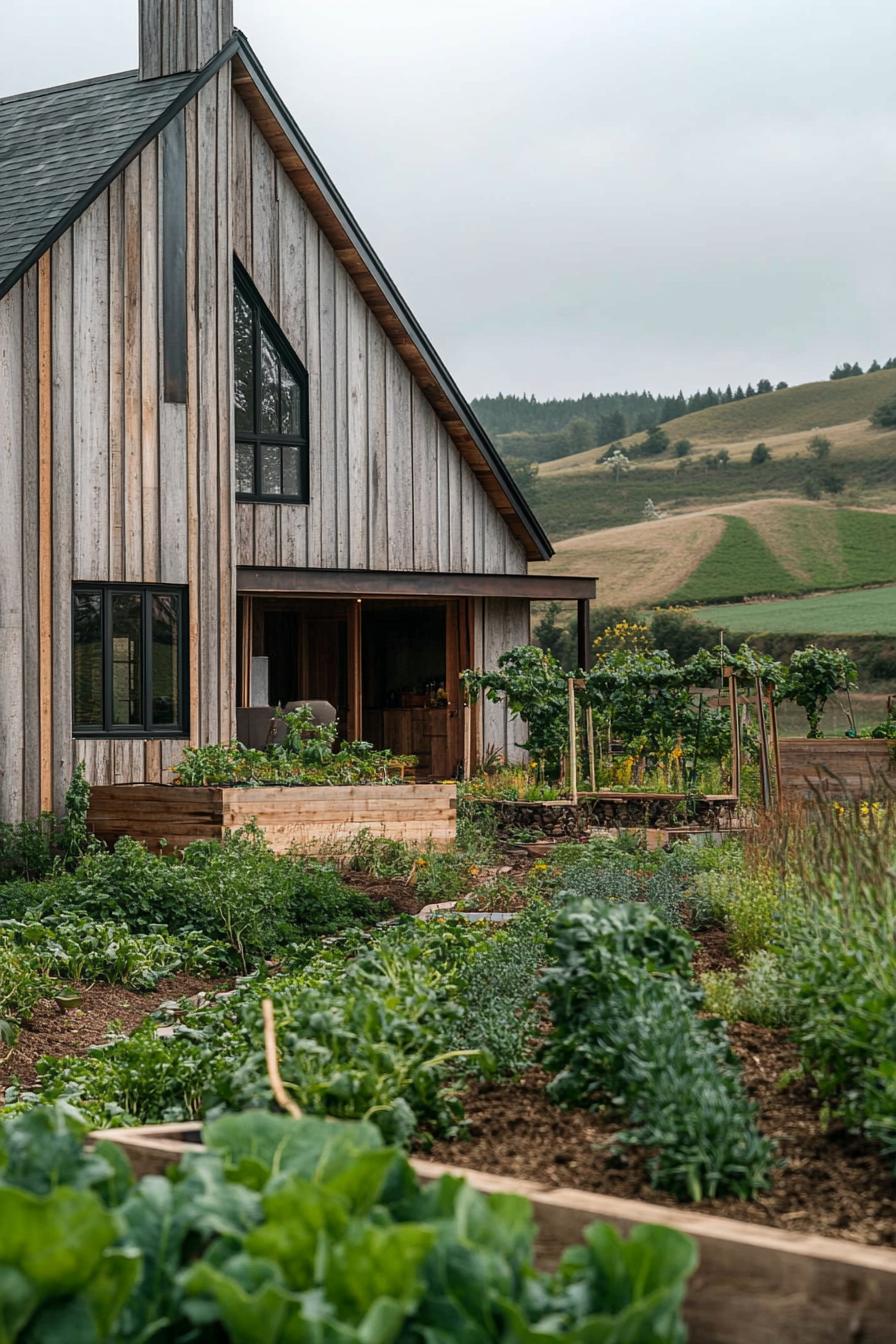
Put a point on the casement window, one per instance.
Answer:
(129, 660)
(270, 404)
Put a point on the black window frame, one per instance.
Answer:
(147, 729)
(264, 321)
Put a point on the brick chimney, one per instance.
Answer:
(181, 35)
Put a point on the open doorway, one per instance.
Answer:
(390, 668)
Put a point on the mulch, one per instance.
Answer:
(829, 1182)
(72, 1032)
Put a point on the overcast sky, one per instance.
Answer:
(584, 195)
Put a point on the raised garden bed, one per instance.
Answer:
(313, 819)
(841, 769)
(754, 1285)
(562, 819)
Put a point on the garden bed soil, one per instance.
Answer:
(73, 1032)
(831, 1182)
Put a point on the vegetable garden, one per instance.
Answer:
(700, 1027)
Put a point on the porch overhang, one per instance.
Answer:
(381, 583)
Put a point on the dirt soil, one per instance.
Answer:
(72, 1032)
(829, 1182)
(402, 896)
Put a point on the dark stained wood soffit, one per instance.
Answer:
(393, 583)
(378, 302)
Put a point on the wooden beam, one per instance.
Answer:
(583, 631)
(45, 527)
(380, 583)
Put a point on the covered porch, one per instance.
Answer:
(386, 650)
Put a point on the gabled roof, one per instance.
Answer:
(61, 147)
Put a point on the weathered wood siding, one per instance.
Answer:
(499, 624)
(110, 482)
(389, 490)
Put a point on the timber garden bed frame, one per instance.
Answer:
(312, 818)
(754, 1284)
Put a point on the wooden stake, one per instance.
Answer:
(765, 782)
(592, 769)
(281, 1096)
(773, 722)
(573, 751)
(468, 737)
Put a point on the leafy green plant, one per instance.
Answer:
(290, 1230)
(814, 674)
(309, 755)
(759, 992)
(436, 874)
(627, 1033)
(23, 983)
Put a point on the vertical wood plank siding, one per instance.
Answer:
(110, 482)
(388, 488)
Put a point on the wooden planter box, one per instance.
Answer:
(312, 819)
(842, 769)
(754, 1284)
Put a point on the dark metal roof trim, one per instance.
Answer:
(112, 172)
(402, 311)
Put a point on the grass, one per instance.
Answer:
(776, 546)
(869, 612)
(741, 563)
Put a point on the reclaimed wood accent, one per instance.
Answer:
(753, 1285)
(313, 819)
(847, 770)
(181, 35)
(112, 483)
(381, 458)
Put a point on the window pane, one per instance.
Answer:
(243, 364)
(270, 469)
(291, 479)
(270, 387)
(290, 404)
(88, 660)
(245, 469)
(127, 641)
(165, 659)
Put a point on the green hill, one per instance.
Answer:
(869, 612)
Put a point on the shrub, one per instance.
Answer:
(759, 993)
(884, 415)
(626, 1032)
(760, 454)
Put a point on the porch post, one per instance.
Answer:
(355, 682)
(583, 630)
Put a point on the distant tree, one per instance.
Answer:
(739, 393)
(884, 415)
(650, 513)
(751, 391)
(873, 367)
(811, 488)
(682, 447)
(845, 370)
(551, 634)
(723, 457)
(617, 464)
(579, 434)
(763, 385)
(524, 473)
(831, 480)
(760, 454)
(779, 387)
(891, 362)
(819, 446)
(655, 442)
(611, 426)
(727, 395)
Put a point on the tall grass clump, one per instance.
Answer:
(838, 947)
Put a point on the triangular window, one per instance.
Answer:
(270, 404)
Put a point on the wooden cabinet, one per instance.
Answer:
(422, 733)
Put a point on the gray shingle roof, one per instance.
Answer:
(55, 144)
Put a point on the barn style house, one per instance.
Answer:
(233, 471)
